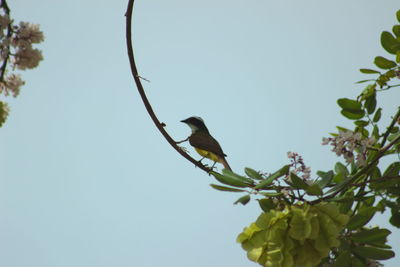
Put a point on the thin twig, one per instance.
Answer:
(139, 86)
(389, 129)
(379, 180)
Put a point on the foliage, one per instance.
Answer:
(302, 234)
(322, 221)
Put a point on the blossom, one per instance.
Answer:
(299, 167)
(27, 34)
(347, 143)
(11, 84)
(27, 58)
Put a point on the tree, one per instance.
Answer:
(321, 221)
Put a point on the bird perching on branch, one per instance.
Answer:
(204, 143)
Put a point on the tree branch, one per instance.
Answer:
(395, 119)
(142, 93)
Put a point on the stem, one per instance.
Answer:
(389, 129)
(3, 67)
(146, 102)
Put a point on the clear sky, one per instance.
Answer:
(85, 178)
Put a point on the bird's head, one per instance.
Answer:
(196, 124)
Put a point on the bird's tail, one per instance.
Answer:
(225, 163)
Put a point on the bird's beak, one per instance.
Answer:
(184, 121)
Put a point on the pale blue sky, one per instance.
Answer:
(87, 181)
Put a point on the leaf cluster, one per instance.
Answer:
(299, 234)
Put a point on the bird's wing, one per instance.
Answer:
(206, 142)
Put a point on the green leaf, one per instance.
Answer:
(361, 123)
(384, 63)
(343, 260)
(375, 132)
(227, 189)
(369, 71)
(398, 15)
(230, 173)
(396, 30)
(394, 130)
(339, 178)
(253, 174)
(297, 182)
(398, 56)
(389, 42)
(353, 115)
(271, 194)
(392, 170)
(326, 178)
(243, 200)
(373, 253)
(341, 168)
(371, 236)
(341, 129)
(228, 180)
(364, 132)
(364, 81)
(266, 204)
(300, 224)
(390, 74)
(369, 200)
(314, 190)
(395, 218)
(281, 172)
(361, 218)
(392, 137)
(370, 103)
(347, 202)
(349, 104)
(377, 115)
(356, 262)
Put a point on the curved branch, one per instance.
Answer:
(3, 67)
(160, 126)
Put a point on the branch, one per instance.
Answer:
(389, 129)
(146, 102)
(3, 67)
(378, 180)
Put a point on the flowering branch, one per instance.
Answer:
(363, 171)
(16, 49)
(160, 126)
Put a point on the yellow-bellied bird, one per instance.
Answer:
(204, 143)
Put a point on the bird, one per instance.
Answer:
(204, 143)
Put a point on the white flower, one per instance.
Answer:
(11, 84)
(347, 143)
(291, 155)
(27, 34)
(306, 173)
(27, 58)
(325, 141)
